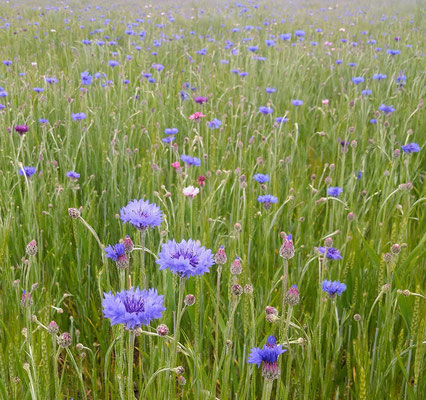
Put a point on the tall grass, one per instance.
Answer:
(118, 151)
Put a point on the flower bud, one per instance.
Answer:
(357, 317)
(248, 289)
(31, 248)
(236, 267)
(162, 330)
(73, 213)
(395, 249)
(189, 300)
(26, 300)
(328, 242)
(64, 340)
(237, 290)
(52, 328)
(128, 244)
(351, 216)
(292, 297)
(287, 248)
(181, 381)
(220, 257)
(180, 370)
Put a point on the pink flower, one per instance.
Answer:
(176, 165)
(196, 116)
(325, 102)
(190, 191)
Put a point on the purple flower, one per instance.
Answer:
(261, 178)
(201, 99)
(214, 124)
(27, 171)
(281, 120)
(43, 120)
(266, 110)
(411, 148)
(115, 252)
(86, 78)
(270, 90)
(366, 92)
(386, 109)
(268, 355)
(373, 121)
(333, 288)
(113, 63)
(38, 90)
(357, 80)
(297, 102)
(393, 52)
(168, 139)
(133, 307)
(171, 131)
(190, 160)
(267, 198)
(379, 77)
(334, 191)
(51, 80)
(141, 214)
(78, 116)
(187, 258)
(73, 175)
(332, 253)
(21, 129)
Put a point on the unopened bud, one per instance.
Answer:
(236, 289)
(189, 300)
(64, 340)
(220, 257)
(162, 330)
(236, 267)
(73, 213)
(31, 248)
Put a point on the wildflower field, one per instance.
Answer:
(212, 200)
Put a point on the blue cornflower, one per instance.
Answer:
(51, 80)
(141, 214)
(334, 191)
(285, 36)
(171, 131)
(401, 80)
(386, 109)
(133, 307)
(333, 288)
(184, 95)
(7, 62)
(116, 253)
(379, 77)
(270, 43)
(270, 90)
(187, 258)
(27, 171)
(281, 120)
(366, 92)
(299, 33)
(358, 175)
(410, 148)
(168, 139)
(38, 89)
(158, 67)
(393, 52)
(113, 63)
(190, 160)
(373, 121)
(265, 110)
(261, 178)
(78, 116)
(253, 48)
(43, 120)
(297, 102)
(73, 175)
(86, 78)
(357, 80)
(351, 64)
(268, 355)
(267, 200)
(214, 124)
(338, 62)
(332, 253)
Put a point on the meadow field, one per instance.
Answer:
(212, 200)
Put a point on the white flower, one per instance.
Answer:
(190, 191)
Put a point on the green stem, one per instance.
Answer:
(58, 395)
(283, 295)
(142, 276)
(130, 389)
(173, 357)
(216, 343)
(267, 389)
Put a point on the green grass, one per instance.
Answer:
(329, 354)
